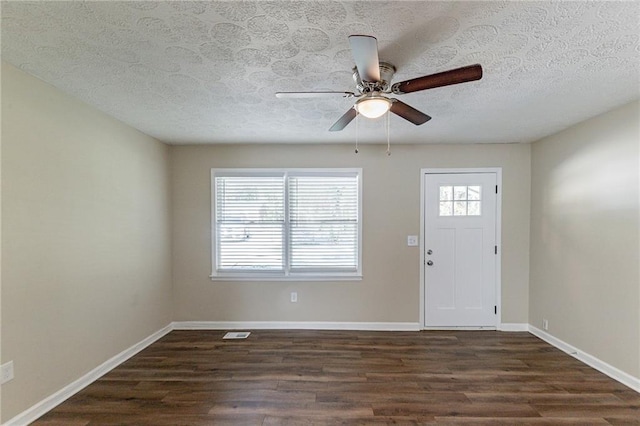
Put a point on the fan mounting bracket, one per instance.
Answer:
(387, 70)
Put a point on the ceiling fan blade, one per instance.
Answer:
(446, 78)
(365, 53)
(314, 94)
(409, 113)
(344, 120)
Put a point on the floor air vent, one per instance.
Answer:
(237, 335)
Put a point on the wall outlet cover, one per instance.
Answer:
(412, 240)
(6, 372)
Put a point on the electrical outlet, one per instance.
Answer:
(294, 297)
(6, 372)
(412, 240)
(545, 324)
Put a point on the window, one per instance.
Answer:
(460, 200)
(286, 224)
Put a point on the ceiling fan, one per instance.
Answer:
(373, 83)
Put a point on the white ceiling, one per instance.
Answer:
(206, 72)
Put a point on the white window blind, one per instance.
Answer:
(298, 224)
(249, 222)
(323, 221)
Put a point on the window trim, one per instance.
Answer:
(286, 274)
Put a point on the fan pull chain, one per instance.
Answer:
(388, 124)
(357, 114)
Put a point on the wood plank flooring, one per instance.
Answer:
(345, 377)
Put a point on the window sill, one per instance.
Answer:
(276, 278)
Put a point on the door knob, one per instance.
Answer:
(429, 262)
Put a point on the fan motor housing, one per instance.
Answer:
(387, 70)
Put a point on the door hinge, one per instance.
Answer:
(495, 249)
(495, 309)
(496, 189)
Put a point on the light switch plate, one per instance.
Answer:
(412, 240)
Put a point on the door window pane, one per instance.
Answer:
(474, 192)
(446, 208)
(459, 192)
(473, 208)
(446, 193)
(460, 208)
(460, 200)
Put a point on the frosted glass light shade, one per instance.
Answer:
(373, 106)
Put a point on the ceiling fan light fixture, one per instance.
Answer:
(373, 106)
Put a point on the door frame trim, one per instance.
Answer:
(423, 174)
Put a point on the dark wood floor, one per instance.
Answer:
(339, 377)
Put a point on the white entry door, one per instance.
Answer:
(460, 249)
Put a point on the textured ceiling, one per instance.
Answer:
(207, 72)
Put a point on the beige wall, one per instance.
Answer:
(390, 289)
(584, 237)
(85, 238)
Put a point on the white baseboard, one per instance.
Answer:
(463, 328)
(37, 410)
(608, 369)
(513, 326)
(295, 325)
